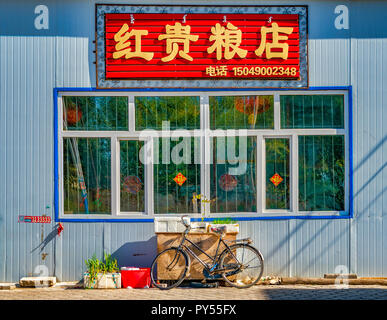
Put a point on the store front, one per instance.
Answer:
(115, 115)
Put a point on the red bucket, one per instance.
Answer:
(135, 277)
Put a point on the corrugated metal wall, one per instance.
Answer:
(33, 62)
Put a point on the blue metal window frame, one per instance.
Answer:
(303, 217)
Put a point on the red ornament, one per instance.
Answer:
(227, 182)
(276, 179)
(180, 179)
(252, 104)
(132, 184)
(73, 114)
(60, 228)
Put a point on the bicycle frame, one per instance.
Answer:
(214, 260)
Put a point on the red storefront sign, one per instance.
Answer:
(157, 46)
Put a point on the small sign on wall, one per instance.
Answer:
(34, 219)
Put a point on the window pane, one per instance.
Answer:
(313, 111)
(242, 112)
(131, 177)
(233, 174)
(181, 112)
(321, 173)
(174, 159)
(277, 174)
(95, 113)
(87, 175)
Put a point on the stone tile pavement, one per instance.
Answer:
(267, 292)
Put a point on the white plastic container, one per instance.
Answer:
(102, 281)
(170, 224)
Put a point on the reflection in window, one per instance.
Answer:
(131, 177)
(321, 173)
(87, 176)
(95, 113)
(181, 112)
(277, 173)
(242, 112)
(233, 174)
(312, 111)
(176, 175)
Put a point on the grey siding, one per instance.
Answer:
(33, 62)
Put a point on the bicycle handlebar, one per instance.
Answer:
(183, 222)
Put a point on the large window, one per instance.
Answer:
(124, 155)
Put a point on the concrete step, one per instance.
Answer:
(37, 282)
(7, 286)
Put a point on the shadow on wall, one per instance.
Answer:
(136, 254)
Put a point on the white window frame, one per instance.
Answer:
(205, 133)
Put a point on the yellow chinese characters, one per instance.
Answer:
(217, 71)
(123, 45)
(175, 35)
(226, 41)
(228, 38)
(275, 30)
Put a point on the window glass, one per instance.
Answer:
(321, 173)
(87, 175)
(233, 174)
(131, 177)
(95, 113)
(277, 174)
(176, 174)
(181, 112)
(312, 111)
(242, 112)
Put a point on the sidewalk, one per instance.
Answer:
(267, 292)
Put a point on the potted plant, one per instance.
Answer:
(102, 274)
(232, 226)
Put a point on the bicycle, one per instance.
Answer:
(239, 264)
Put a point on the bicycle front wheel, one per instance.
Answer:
(169, 268)
(243, 265)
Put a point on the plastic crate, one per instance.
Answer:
(133, 277)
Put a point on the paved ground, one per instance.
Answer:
(269, 292)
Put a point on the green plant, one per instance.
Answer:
(110, 264)
(224, 221)
(95, 266)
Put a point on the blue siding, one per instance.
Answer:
(33, 62)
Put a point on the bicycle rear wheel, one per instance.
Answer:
(243, 267)
(169, 268)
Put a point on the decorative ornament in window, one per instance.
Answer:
(180, 179)
(227, 182)
(276, 179)
(132, 184)
(73, 114)
(252, 106)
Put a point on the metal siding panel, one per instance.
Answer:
(133, 244)
(318, 247)
(129, 243)
(271, 238)
(26, 105)
(329, 62)
(73, 72)
(369, 70)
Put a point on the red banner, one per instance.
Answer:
(156, 46)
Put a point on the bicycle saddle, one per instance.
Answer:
(219, 230)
